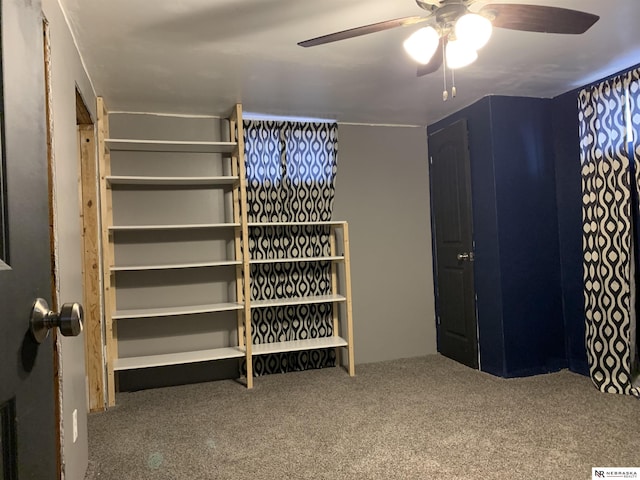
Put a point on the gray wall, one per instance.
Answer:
(382, 190)
(67, 71)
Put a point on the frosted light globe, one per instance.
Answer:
(422, 44)
(473, 29)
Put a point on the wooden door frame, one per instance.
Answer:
(91, 263)
(57, 377)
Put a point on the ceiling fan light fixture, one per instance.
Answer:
(459, 54)
(473, 29)
(422, 44)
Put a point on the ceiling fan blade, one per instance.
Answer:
(538, 18)
(364, 30)
(435, 62)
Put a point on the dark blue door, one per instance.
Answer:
(453, 241)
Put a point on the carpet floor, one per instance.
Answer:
(419, 418)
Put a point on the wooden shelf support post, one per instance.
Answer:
(92, 296)
(236, 133)
(334, 290)
(347, 283)
(106, 207)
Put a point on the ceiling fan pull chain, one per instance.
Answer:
(453, 84)
(445, 93)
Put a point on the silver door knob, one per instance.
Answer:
(462, 256)
(69, 320)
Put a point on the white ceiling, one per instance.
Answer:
(202, 56)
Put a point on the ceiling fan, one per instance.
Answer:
(454, 34)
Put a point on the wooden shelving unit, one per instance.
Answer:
(230, 182)
(120, 274)
(342, 334)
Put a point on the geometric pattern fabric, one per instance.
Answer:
(291, 169)
(609, 122)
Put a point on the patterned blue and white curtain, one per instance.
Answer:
(609, 119)
(291, 169)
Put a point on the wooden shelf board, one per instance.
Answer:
(297, 260)
(178, 181)
(175, 266)
(122, 228)
(130, 145)
(297, 301)
(181, 358)
(298, 345)
(176, 311)
(293, 224)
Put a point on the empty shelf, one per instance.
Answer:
(169, 146)
(117, 228)
(297, 259)
(173, 266)
(297, 345)
(295, 224)
(175, 311)
(130, 363)
(297, 301)
(177, 181)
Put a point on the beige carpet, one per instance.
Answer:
(421, 418)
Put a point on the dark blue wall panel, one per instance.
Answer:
(517, 268)
(524, 165)
(569, 198)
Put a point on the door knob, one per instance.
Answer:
(69, 320)
(465, 256)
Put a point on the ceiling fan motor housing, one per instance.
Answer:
(447, 15)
